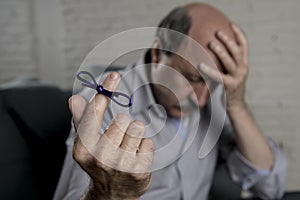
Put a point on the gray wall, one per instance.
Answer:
(49, 40)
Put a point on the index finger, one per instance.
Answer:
(241, 40)
(92, 118)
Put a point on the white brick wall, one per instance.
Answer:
(16, 39)
(272, 27)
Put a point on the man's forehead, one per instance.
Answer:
(206, 21)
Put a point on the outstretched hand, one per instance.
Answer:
(119, 160)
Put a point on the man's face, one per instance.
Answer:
(187, 83)
(181, 87)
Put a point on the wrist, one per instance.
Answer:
(237, 107)
(95, 194)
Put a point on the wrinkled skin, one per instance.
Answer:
(118, 161)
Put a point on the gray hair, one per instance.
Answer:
(177, 20)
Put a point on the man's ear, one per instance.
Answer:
(155, 50)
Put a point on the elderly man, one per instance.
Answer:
(116, 164)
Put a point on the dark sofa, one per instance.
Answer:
(35, 121)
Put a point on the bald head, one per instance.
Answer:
(205, 22)
(199, 21)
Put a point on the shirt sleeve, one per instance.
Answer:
(73, 182)
(266, 184)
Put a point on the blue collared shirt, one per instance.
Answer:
(178, 173)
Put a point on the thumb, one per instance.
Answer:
(77, 106)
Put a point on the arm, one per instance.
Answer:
(73, 180)
(250, 139)
(255, 152)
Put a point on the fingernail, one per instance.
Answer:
(114, 75)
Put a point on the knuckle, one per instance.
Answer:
(123, 117)
(232, 44)
(139, 123)
(225, 37)
(78, 154)
(222, 55)
(120, 123)
(137, 128)
(125, 146)
(149, 144)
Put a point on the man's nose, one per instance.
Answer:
(201, 94)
